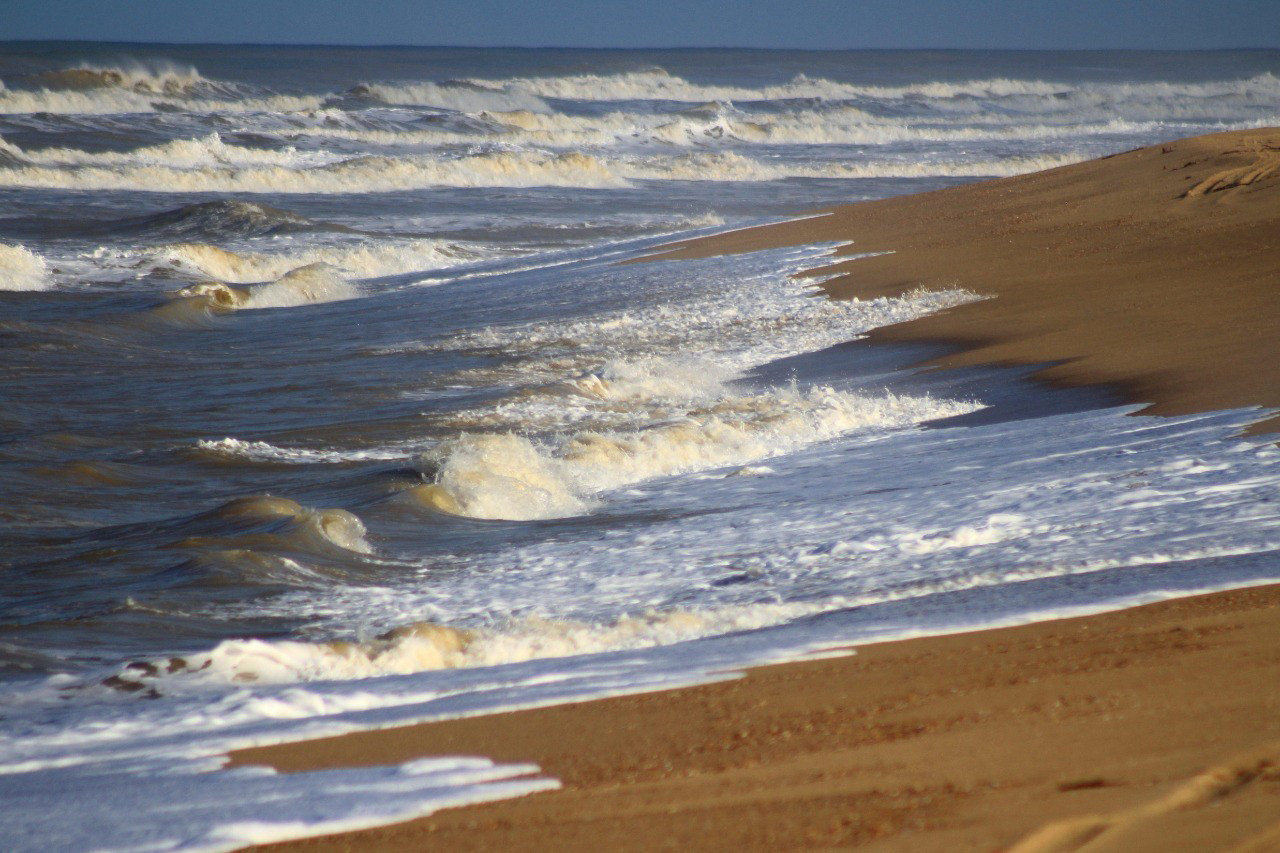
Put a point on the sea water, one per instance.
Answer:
(327, 403)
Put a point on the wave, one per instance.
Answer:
(332, 526)
(206, 151)
(365, 259)
(155, 77)
(501, 168)
(225, 218)
(630, 368)
(659, 85)
(197, 304)
(120, 101)
(428, 646)
(723, 125)
(460, 97)
(514, 478)
(22, 269)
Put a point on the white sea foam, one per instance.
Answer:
(500, 168)
(658, 84)
(509, 477)
(262, 451)
(357, 259)
(302, 286)
(725, 126)
(203, 152)
(22, 269)
(682, 412)
(308, 285)
(113, 101)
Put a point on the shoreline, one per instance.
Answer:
(1154, 272)
(972, 740)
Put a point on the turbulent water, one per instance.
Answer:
(327, 404)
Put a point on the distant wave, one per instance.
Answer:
(136, 87)
(461, 97)
(719, 125)
(207, 150)
(158, 77)
(491, 169)
(225, 218)
(658, 84)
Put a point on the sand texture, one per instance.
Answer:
(1156, 270)
(1156, 728)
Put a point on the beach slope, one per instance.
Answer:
(1154, 728)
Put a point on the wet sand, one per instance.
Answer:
(1156, 728)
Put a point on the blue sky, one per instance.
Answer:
(1060, 24)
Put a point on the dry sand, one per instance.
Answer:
(1157, 728)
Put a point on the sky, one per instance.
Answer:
(813, 24)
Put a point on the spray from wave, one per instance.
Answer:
(22, 269)
(154, 77)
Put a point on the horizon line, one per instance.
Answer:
(406, 46)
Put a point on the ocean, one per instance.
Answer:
(326, 403)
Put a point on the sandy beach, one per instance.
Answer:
(1154, 272)
(1153, 728)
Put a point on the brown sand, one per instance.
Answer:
(1156, 728)
(1156, 270)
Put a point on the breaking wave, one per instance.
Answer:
(204, 151)
(22, 269)
(365, 259)
(139, 87)
(196, 304)
(426, 646)
(657, 84)
(495, 169)
(155, 77)
(514, 478)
